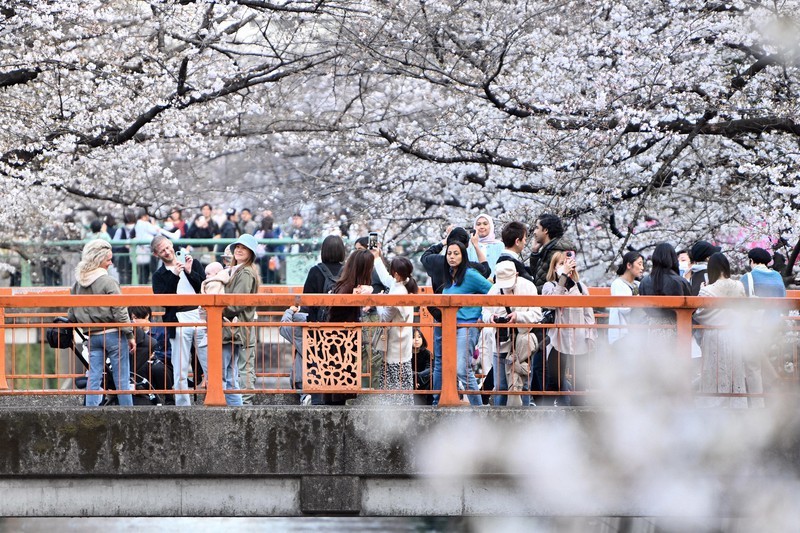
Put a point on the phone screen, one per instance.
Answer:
(373, 241)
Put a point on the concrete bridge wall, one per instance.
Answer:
(296, 461)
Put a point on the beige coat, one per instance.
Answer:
(577, 340)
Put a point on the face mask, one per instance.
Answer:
(683, 266)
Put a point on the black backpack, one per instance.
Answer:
(521, 270)
(324, 313)
(59, 336)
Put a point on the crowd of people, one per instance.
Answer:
(208, 223)
(538, 354)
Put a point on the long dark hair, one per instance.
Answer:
(628, 258)
(403, 267)
(664, 260)
(357, 270)
(718, 266)
(457, 277)
(424, 345)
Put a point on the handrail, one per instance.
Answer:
(279, 289)
(351, 300)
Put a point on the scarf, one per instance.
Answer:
(87, 278)
(490, 238)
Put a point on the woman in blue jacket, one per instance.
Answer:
(461, 279)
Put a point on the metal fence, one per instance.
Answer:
(360, 358)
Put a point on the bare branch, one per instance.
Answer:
(19, 76)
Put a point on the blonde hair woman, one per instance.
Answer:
(244, 280)
(104, 342)
(568, 344)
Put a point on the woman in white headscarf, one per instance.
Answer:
(491, 247)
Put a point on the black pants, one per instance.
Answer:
(551, 376)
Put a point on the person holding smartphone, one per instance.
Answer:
(181, 274)
(548, 238)
(566, 364)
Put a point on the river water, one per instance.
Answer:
(237, 525)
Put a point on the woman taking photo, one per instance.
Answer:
(570, 346)
(397, 372)
(461, 279)
(627, 284)
(104, 341)
(487, 241)
(244, 280)
(486, 245)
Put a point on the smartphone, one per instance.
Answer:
(471, 231)
(180, 256)
(373, 240)
(570, 254)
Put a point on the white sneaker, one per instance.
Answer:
(305, 399)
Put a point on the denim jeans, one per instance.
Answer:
(467, 340)
(230, 372)
(501, 382)
(182, 353)
(437, 362)
(114, 345)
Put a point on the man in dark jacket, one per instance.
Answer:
(436, 266)
(548, 238)
(228, 230)
(699, 254)
(180, 276)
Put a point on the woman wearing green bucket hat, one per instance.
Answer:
(244, 280)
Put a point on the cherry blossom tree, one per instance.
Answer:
(637, 121)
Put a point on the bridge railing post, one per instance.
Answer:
(449, 394)
(3, 381)
(684, 333)
(214, 394)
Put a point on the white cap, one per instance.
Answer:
(505, 275)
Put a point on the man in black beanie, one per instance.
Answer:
(698, 273)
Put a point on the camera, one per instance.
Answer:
(570, 254)
(503, 334)
(372, 243)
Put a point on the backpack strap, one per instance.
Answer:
(508, 309)
(327, 273)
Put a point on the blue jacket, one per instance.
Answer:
(473, 283)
